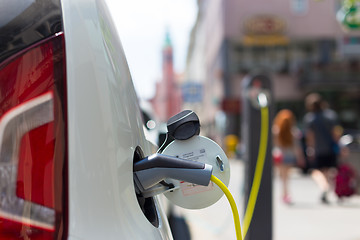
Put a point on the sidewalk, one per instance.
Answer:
(307, 219)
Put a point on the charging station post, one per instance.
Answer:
(261, 221)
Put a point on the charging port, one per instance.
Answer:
(146, 204)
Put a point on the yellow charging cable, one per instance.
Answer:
(256, 181)
(231, 200)
(258, 169)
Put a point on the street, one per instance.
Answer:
(306, 219)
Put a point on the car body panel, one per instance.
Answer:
(104, 128)
(94, 193)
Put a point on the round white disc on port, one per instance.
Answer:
(199, 149)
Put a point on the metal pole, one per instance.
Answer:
(261, 223)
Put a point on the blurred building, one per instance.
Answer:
(205, 67)
(299, 43)
(167, 100)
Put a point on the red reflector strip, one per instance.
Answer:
(35, 177)
(19, 121)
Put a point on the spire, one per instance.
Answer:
(167, 42)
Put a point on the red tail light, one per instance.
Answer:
(33, 143)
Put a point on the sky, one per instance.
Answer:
(142, 26)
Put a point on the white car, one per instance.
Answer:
(70, 127)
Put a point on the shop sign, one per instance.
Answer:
(265, 30)
(349, 17)
(265, 40)
(264, 24)
(192, 92)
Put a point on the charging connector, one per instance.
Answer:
(152, 170)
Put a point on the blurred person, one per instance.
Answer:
(287, 145)
(346, 176)
(321, 142)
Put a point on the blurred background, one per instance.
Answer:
(195, 55)
(188, 54)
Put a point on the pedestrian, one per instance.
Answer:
(321, 145)
(286, 145)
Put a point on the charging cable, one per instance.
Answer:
(231, 200)
(263, 102)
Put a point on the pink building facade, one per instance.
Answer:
(298, 43)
